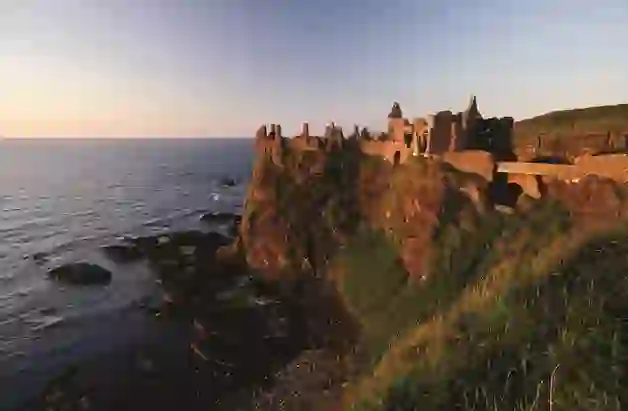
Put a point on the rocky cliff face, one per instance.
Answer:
(420, 258)
(299, 214)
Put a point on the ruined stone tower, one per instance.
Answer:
(305, 131)
(471, 115)
(395, 111)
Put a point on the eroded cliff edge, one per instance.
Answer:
(442, 290)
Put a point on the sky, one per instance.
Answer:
(166, 68)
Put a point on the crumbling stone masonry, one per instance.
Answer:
(435, 134)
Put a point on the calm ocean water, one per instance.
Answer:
(66, 198)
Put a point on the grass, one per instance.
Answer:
(559, 128)
(543, 321)
(377, 289)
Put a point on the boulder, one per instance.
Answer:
(81, 274)
(144, 244)
(228, 182)
(198, 239)
(234, 230)
(219, 217)
(38, 258)
(123, 253)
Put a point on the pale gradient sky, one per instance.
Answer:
(222, 67)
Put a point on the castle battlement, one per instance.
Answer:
(434, 134)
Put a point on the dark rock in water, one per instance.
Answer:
(174, 251)
(37, 257)
(232, 219)
(123, 253)
(219, 218)
(198, 238)
(234, 230)
(228, 182)
(144, 243)
(48, 311)
(81, 274)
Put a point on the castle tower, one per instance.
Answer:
(396, 124)
(365, 134)
(472, 112)
(305, 130)
(458, 136)
(278, 130)
(340, 135)
(395, 111)
(261, 132)
(430, 119)
(273, 130)
(356, 131)
(329, 129)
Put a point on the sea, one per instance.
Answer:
(64, 199)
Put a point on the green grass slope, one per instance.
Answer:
(536, 323)
(600, 119)
(569, 133)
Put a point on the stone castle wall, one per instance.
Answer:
(465, 140)
(387, 150)
(472, 161)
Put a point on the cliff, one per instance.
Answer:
(455, 305)
(298, 214)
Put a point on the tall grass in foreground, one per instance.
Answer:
(542, 328)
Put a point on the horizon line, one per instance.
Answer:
(2, 137)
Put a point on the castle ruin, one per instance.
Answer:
(465, 140)
(433, 135)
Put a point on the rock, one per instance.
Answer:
(199, 239)
(228, 182)
(37, 257)
(164, 239)
(504, 209)
(144, 244)
(123, 253)
(224, 218)
(81, 274)
(187, 250)
(234, 230)
(48, 311)
(219, 217)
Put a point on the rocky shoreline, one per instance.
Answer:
(241, 331)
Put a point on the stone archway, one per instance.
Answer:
(529, 184)
(503, 191)
(397, 158)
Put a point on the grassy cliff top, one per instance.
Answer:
(599, 119)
